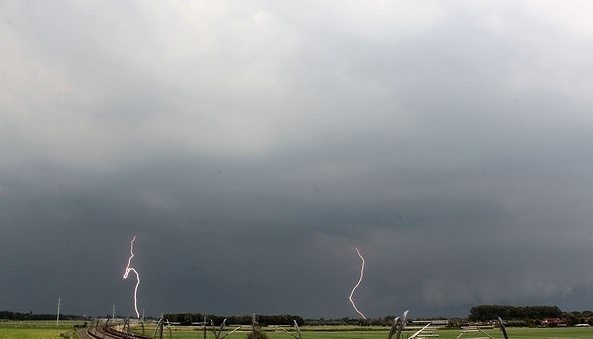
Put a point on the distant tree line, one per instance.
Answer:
(490, 312)
(9, 315)
(379, 321)
(344, 321)
(576, 317)
(189, 318)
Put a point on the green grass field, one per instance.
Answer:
(49, 330)
(36, 329)
(381, 333)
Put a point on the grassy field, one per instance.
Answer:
(36, 329)
(49, 330)
(381, 333)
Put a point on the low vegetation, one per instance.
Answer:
(49, 330)
(37, 329)
(522, 322)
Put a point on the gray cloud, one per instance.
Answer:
(250, 148)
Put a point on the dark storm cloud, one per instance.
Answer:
(251, 148)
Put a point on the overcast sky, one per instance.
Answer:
(252, 145)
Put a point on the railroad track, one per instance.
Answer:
(110, 333)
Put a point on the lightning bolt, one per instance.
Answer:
(358, 283)
(127, 271)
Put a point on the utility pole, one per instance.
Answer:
(58, 316)
(204, 327)
(113, 313)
